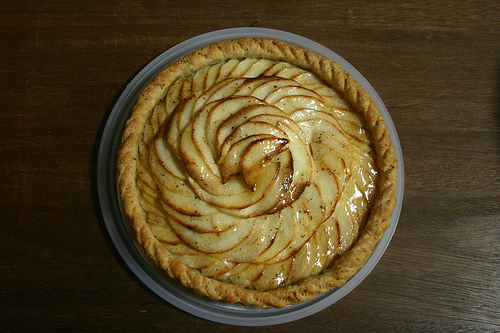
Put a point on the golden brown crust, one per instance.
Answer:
(332, 73)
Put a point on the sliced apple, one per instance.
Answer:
(197, 86)
(348, 217)
(290, 90)
(228, 115)
(172, 99)
(247, 276)
(270, 277)
(211, 242)
(219, 91)
(308, 80)
(259, 154)
(258, 68)
(332, 98)
(257, 149)
(178, 122)
(227, 67)
(289, 72)
(218, 268)
(271, 71)
(290, 104)
(250, 84)
(164, 233)
(271, 85)
(254, 245)
(237, 203)
(242, 67)
(186, 205)
(245, 130)
(281, 229)
(215, 222)
(196, 260)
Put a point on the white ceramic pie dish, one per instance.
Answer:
(123, 237)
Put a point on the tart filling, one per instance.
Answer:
(258, 172)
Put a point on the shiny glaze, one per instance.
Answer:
(256, 173)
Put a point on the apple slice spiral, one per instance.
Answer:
(256, 171)
(253, 166)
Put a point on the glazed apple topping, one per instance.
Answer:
(256, 173)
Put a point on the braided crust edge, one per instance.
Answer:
(347, 265)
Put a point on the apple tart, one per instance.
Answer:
(258, 172)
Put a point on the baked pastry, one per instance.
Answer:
(258, 172)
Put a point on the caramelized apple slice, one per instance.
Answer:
(232, 160)
(258, 155)
(260, 239)
(219, 91)
(212, 242)
(252, 152)
(270, 86)
(282, 233)
(248, 129)
(248, 87)
(291, 90)
(242, 110)
(292, 103)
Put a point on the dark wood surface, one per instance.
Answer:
(435, 64)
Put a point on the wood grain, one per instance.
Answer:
(63, 64)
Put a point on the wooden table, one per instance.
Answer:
(64, 64)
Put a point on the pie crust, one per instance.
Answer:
(237, 192)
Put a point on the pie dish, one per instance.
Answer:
(258, 172)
